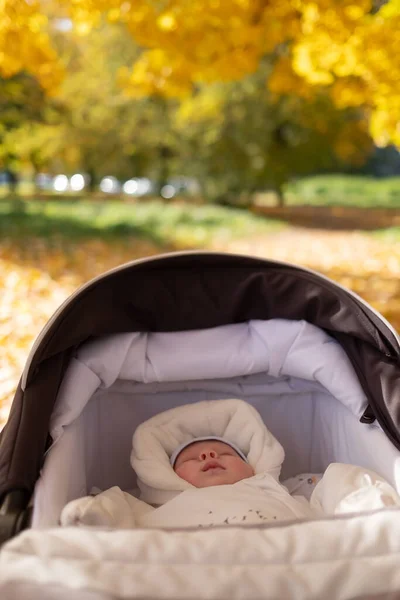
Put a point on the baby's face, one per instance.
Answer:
(211, 462)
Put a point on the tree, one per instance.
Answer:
(276, 70)
(238, 138)
(107, 131)
(24, 108)
(348, 49)
(98, 128)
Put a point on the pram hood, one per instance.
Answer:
(186, 291)
(155, 440)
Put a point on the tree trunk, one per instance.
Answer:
(92, 180)
(36, 170)
(280, 199)
(17, 201)
(164, 155)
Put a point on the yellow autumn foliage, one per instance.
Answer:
(154, 74)
(347, 48)
(344, 47)
(25, 44)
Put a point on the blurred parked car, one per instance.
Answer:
(180, 185)
(43, 181)
(138, 187)
(8, 177)
(62, 183)
(3, 178)
(110, 185)
(78, 182)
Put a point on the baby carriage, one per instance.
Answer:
(318, 363)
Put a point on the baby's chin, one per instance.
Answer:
(216, 478)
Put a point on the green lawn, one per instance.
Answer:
(345, 190)
(174, 223)
(391, 234)
(183, 224)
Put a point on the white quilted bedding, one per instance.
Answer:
(342, 557)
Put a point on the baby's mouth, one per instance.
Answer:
(212, 465)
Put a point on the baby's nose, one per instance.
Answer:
(207, 454)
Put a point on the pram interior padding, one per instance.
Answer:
(343, 558)
(298, 378)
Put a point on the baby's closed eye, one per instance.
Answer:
(189, 459)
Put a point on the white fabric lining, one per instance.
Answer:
(278, 347)
(304, 373)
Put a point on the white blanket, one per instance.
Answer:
(256, 500)
(251, 501)
(341, 558)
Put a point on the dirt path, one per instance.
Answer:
(322, 249)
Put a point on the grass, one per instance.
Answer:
(181, 224)
(176, 224)
(345, 190)
(390, 235)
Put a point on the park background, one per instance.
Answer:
(129, 129)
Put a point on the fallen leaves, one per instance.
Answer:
(35, 280)
(37, 276)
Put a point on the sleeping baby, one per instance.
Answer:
(216, 463)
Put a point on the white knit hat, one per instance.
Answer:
(181, 447)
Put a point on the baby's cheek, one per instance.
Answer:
(249, 471)
(244, 470)
(185, 472)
